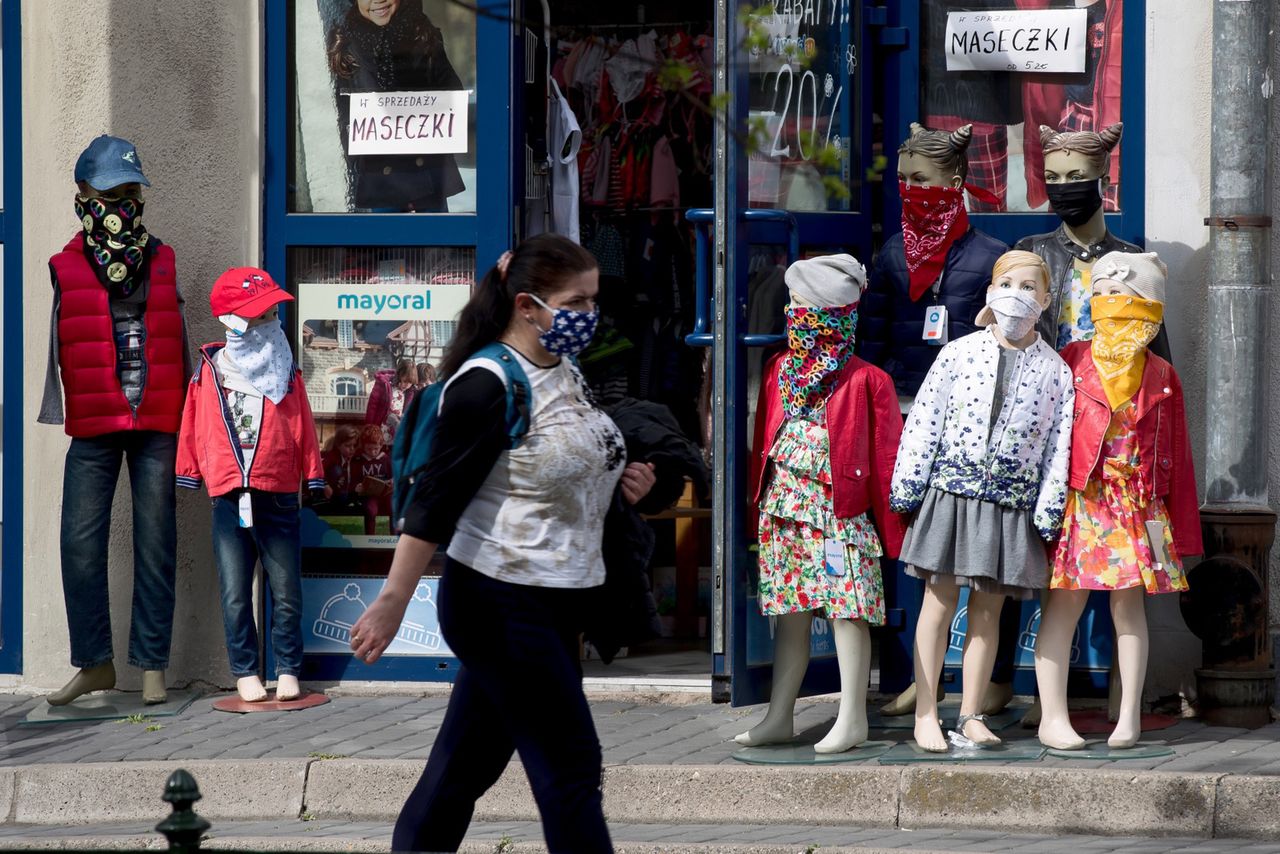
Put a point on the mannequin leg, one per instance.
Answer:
(790, 661)
(1062, 610)
(932, 631)
(1128, 611)
(1000, 690)
(980, 644)
(853, 652)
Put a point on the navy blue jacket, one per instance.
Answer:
(890, 325)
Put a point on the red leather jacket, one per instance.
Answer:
(96, 404)
(208, 453)
(864, 424)
(1164, 448)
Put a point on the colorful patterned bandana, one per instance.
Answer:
(821, 342)
(1124, 326)
(933, 218)
(115, 242)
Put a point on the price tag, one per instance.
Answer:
(833, 558)
(246, 510)
(935, 325)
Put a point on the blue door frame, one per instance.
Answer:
(11, 234)
(489, 229)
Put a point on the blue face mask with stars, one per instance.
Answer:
(570, 331)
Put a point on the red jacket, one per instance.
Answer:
(1164, 449)
(864, 425)
(96, 404)
(209, 451)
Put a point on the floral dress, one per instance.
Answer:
(1104, 536)
(796, 519)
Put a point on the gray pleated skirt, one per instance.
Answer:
(977, 544)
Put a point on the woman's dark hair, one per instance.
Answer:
(412, 29)
(539, 266)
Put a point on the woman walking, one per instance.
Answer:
(524, 529)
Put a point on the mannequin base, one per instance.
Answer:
(1096, 722)
(947, 711)
(1016, 751)
(238, 706)
(110, 706)
(1100, 750)
(804, 754)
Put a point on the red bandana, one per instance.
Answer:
(932, 219)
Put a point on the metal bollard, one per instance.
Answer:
(184, 827)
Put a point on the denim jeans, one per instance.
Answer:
(88, 490)
(274, 538)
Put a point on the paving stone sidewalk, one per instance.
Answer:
(632, 733)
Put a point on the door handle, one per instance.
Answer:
(702, 219)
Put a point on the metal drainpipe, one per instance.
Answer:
(1227, 604)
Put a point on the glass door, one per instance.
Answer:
(794, 176)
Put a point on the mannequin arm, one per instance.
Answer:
(187, 466)
(886, 435)
(377, 626)
(921, 440)
(1055, 462)
(1182, 503)
(312, 466)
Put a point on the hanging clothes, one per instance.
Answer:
(565, 138)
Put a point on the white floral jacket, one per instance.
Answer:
(1023, 465)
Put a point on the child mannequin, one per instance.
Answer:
(983, 465)
(373, 464)
(823, 506)
(251, 384)
(1132, 511)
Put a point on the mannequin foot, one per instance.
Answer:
(153, 690)
(975, 729)
(1060, 736)
(928, 734)
(905, 703)
(1031, 719)
(767, 732)
(843, 736)
(287, 687)
(99, 678)
(996, 697)
(1125, 735)
(250, 689)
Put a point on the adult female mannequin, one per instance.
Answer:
(948, 266)
(1077, 174)
(937, 259)
(524, 527)
(983, 466)
(1132, 511)
(819, 549)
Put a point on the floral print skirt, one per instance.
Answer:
(796, 520)
(1104, 543)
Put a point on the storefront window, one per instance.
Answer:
(370, 327)
(384, 113)
(1007, 108)
(804, 119)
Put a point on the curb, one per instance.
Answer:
(1041, 801)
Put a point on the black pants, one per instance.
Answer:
(519, 689)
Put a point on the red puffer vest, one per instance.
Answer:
(87, 351)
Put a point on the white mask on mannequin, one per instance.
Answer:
(1016, 312)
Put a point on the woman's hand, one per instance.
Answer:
(637, 480)
(377, 627)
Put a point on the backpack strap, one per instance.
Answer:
(502, 361)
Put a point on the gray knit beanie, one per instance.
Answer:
(829, 281)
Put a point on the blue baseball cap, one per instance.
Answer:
(108, 162)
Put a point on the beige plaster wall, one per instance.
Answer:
(181, 79)
(1179, 50)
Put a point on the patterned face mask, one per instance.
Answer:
(1123, 327)
(821, 343)
(264, 358)
(115, 241)
(933, 218)
(570, 331)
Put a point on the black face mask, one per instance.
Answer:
(1075, 203)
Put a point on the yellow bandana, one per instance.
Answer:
(1124, 326)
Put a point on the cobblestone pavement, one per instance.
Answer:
(635, 733)
(501, 836)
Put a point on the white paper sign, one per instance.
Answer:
(408, 122)
(408, 301)
(1043, 41)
